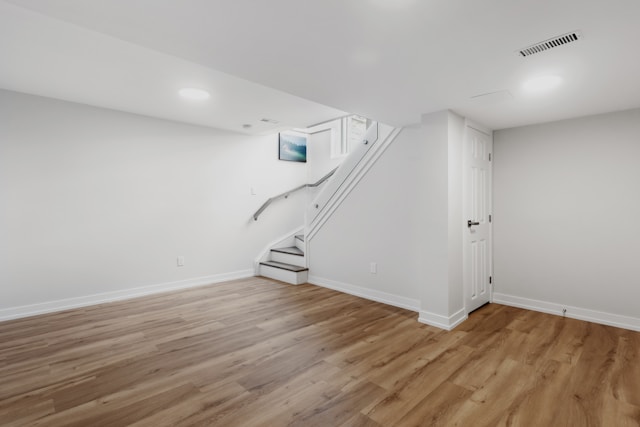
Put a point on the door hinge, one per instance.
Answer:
(489, 156)
(490, 279)
(489, 218)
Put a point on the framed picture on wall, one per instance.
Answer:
(292, 146)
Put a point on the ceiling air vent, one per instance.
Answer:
(270, 121)
(551, 43)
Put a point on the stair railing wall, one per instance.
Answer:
(349, 173)
(342, 174)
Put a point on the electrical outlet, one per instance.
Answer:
(373, 268)
(180, 261)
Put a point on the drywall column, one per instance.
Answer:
(441, 295)
(456, 126)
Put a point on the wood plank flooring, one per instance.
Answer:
(256, 352)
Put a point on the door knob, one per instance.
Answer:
(470, 223)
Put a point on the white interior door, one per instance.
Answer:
(477, 251)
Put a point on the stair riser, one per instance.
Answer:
(284, 275)
(288, 258)
(299, 244)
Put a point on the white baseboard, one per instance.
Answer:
(443, 322)
(632, 323)
(83, 301)
(370, 294)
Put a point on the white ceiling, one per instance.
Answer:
(390, 60)
(48, 57)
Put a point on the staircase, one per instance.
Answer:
(287, 264)
(285, 260)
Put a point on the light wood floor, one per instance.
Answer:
(256, 352)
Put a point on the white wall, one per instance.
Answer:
(319, 157)
(442, 302)
(456, 126)
(376, 223)
(405, 215)
(96, 201)
(566, 209)
(434, 230)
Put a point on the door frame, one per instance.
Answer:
(465, 206)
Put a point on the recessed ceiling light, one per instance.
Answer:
(542, 84)
(394, 4)
(365, 57)
(195, 94)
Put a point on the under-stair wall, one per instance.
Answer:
(396, 237)
(366, 246)
(354, 166)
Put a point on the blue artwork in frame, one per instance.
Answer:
(292, 147)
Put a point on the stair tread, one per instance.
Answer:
(300, 237)
(284, 266)
(292, 250)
